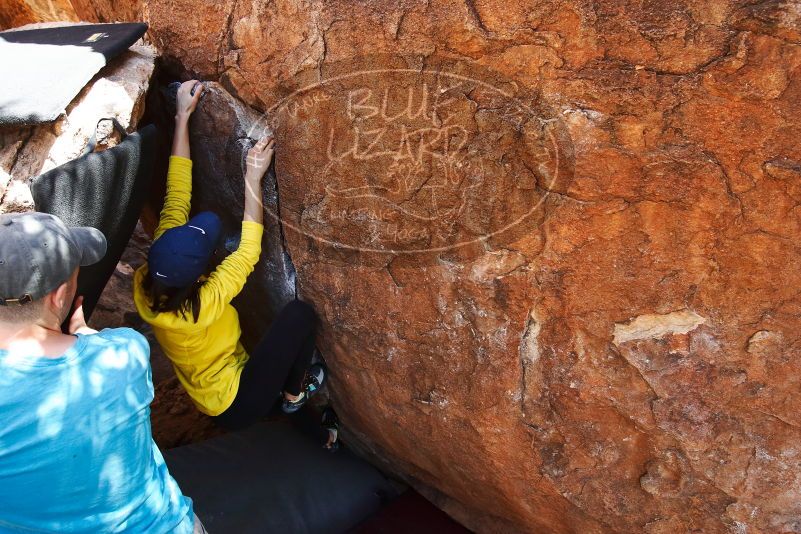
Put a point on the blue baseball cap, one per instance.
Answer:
(180, 256)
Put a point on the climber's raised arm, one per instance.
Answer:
(229, 277)
(179, 176)
(258, 161)
(185, 104)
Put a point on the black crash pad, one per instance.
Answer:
(44, 69)
(272, 478)
(105, 190)
(410, 512)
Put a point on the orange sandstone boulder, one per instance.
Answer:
(553, 245)
(15, 13)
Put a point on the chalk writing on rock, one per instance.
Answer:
(416, 162)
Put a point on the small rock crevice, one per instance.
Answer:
(529, 352)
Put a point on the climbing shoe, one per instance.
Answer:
(315, 377)
(330, 422)
(317, 357)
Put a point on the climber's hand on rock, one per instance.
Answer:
(185, 101)
(258, 161)
(260, 157)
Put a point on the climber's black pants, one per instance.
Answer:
(278, 363)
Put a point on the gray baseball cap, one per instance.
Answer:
(38, 253)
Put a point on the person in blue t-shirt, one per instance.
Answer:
(76, 451)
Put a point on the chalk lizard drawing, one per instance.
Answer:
(423, 163)
(416, 163)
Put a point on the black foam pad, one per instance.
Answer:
(44, 69)
(107, 39)
(105, 190)
(272, 478)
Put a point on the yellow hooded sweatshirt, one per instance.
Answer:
(207, 355)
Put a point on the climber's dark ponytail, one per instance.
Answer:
(178, 300)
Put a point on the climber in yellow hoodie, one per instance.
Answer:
(190, 309)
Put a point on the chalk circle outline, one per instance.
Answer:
(262, 125)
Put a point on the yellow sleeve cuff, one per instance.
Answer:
(251, 233)
(180, 168)
(252, 226)
(180, 160)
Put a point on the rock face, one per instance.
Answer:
(16, 13)
(553, 245)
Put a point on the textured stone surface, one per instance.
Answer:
(16, 13)
(108, 10)
(626, 359)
